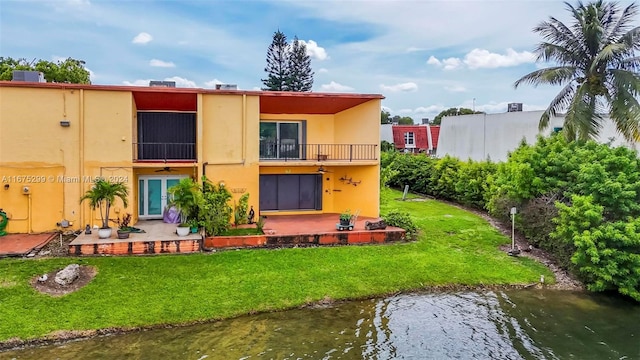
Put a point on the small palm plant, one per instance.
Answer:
(186, 196)
(102, 195)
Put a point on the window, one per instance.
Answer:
(409, 140)
(280, 139)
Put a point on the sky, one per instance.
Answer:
(423, 56)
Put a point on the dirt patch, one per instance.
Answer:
(50, 287)
(58, 246)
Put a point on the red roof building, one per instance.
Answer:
(416, 138)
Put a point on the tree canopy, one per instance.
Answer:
(288, 65)
(385, 117)
(63, 71)
(453, 112)
(595, 59)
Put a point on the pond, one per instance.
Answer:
(504, 324)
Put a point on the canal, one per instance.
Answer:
(501, 324)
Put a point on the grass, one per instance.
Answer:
(455, 247)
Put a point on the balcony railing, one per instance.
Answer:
(164, 151)
(287, 151)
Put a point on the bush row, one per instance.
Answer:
(580, 201)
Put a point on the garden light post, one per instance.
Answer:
(514, 250)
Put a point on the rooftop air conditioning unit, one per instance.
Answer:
(29, 76)
(514, 107)
(226, 87)
(156, 83)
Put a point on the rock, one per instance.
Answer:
(67, 275)
(43, 278)
(44, 252)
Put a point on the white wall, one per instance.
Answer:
(386, 134)
(482, 136)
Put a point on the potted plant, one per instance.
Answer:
(123, 226)
(101, 195)
(194, 225)
(186, 197)
(345, 217)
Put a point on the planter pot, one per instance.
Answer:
(123, 234)
(194, 229)
(182, 231)
(344, 222)
(104, 233)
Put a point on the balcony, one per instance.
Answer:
(288, 150)
(165, 152)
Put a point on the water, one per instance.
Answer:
(525, 324)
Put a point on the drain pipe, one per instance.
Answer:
(204, 174)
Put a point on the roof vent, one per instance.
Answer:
(514, 107)
(156, 83)
(29, 76)
(226, 87)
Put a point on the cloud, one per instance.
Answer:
(160, 63)
(322, 70)
(180, 82)
(314, 51)
(431, 109)
(142, 38)
(415, 49)
(212, 83)
(139, 82)
(480, 58)
(484, 59)
(335, 87)
(404, 87)
(455, 88)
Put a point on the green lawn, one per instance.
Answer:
(455, 247)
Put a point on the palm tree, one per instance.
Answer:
(104, 192)
(596, 62)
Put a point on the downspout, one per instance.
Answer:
(429, 139)
(81, 153)
(244, 128)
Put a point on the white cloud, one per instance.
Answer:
(455, 88)
(314, 51)
(404, 87)
(212, 83)
(480, 58)
(322, 71)
(139, 82)
(142, 38)
(433, 61)
(415, 49)
(160, 63)
(405, 111)
(431, 109)
(335, 87)
(451, 63)
(182, 82)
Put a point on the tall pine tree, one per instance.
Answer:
(300, 74)
(277, 64)
(288, 66)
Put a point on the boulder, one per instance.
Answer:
(67, 275)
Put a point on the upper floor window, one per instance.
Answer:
(409, 139)
(280, 139)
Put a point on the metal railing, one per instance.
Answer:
(285, 151)
(164, 151)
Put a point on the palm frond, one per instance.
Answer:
(557, 105)
(554, 75)
(622, 24)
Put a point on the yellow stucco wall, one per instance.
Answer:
(230, 133)
(59, 163)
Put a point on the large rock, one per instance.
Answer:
(67, 275)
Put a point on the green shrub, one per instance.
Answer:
(403, 220)
(215, 212)
(607, 253)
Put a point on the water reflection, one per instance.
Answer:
(469, 325)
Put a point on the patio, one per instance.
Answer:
(159, 237)
(279, 231)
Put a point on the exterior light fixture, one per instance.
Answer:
(65, 123)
